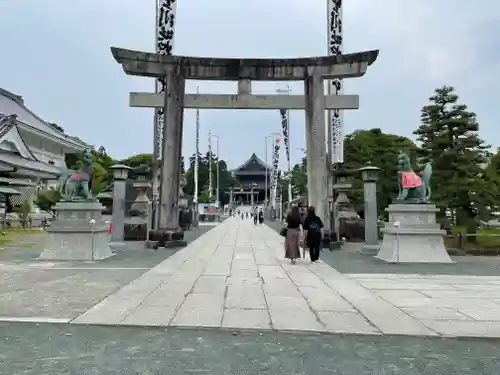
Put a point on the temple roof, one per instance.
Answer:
(16, 153)
(254, 164)
(14, 104)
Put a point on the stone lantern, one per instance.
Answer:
(142, 184)
(369, 175)
(120, 175)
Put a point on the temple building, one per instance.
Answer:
(251, 176)
(32, 151)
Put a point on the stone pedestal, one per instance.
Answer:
(71, 237)
(136, 226)
(418, 239)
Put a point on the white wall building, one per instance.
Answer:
(32, 152)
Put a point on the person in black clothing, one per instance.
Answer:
(261, 216)
(313, 226)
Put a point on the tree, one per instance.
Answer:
(135, 161)
(448, 136)
(226, 180)
(47, 198)
(361, 148)
(145, 159)
(298, 175)
(364, 147)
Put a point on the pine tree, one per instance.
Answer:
(448, 137)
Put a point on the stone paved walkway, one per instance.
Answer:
(453, 305)
(235, 277)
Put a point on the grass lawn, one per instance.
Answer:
(487, 240)
(16, 236)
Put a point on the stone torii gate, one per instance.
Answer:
(176, 69)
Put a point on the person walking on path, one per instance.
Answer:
(261, 216)
(293, 235)
(313, 228)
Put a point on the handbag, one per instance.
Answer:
(283, 232)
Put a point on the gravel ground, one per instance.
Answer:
(64, 290)
(133, 256)
(62, 349)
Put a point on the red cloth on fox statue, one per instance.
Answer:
(410, 180)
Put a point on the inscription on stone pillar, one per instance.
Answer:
(172, 146)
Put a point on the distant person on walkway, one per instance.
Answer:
(254, 215)
(293, 235)
(313, 227)
(261, 216)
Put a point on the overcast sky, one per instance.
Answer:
(55, 53)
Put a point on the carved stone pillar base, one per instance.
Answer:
(167, 238)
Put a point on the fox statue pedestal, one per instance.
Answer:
(78, 233)
(413, 236)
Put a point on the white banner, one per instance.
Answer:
(165, 29)
(335, 117)
(274, 180)
(285, 130)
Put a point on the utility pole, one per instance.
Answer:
(210, 187)
(196, 160)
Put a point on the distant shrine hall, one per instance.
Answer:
(251, 176)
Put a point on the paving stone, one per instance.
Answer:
(400, 294)
(281, 289)
(306, 279)
(463, 328)
(200, 310)
(210, 285)
(217, 271)
(243, 264)
(394, 285)
(492, 315)
(245, 297)
(246, 319)
(236, 272)
(306, 297)
(287, 303)
(436, 314)
(479, 288)
(462, 294)
(458, 303)
(243, 281)
(382, 314)
(150, 316)
(346, 322)
(272, 272)
(325, 299)
(165, 296)
(295, 319)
